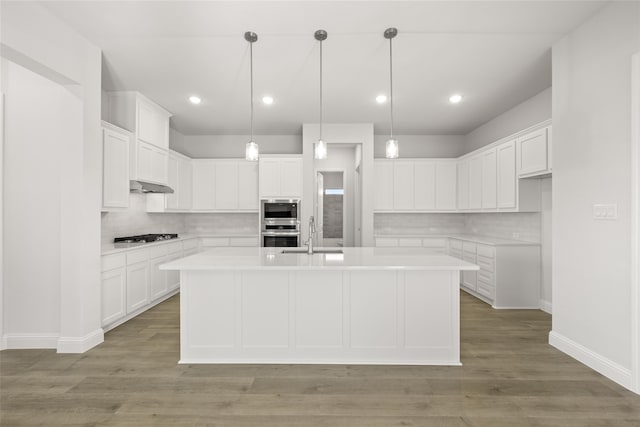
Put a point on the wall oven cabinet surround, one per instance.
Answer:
(115, 167)
(148, 158)
(280, 177)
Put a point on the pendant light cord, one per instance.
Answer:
(251, 73)
(320, 89)
(391, 82)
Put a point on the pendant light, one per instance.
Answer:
(320, 149)
(251, 150)
(392, 144)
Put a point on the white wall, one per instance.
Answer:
(342, 159)
(592, 134)
(526, 114)
(233, 146)
(417, 146)
(36, 40)
(546, 214)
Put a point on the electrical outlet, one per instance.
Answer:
(605, 212)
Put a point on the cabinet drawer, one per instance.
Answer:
(486, 264)
(455, 244)
(409, 243)
(109, 262)
(174, 247)
(486, 277)
(215, 241)
(434, 243)
(243, 241)
(386, 242)
(190, 244)
(486, 251)
(485, 289)
(469, 247)
(157, 251)
(134, 257)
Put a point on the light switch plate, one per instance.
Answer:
(605, 212)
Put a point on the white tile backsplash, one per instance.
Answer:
(221, 223)
(518, 226)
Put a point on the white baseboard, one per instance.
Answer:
(29, 341)
(545, 306)
(601, 364)
(80, 344)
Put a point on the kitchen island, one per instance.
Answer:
(362, 306)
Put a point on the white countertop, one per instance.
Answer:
(111, 248)
(352, 259)
(486, 240)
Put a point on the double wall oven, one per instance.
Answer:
(280, 223)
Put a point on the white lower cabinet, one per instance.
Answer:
(469, 278)
(137, 286)
(432, 245)
(114, 284)
(158, 280)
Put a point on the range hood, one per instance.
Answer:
(147, 187)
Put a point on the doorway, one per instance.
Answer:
(330, 208)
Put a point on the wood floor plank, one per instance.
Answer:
(510, 377)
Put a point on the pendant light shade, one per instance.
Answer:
(320, 149)
(392, 143)
(251, 150)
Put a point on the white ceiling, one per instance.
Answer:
(497, 54)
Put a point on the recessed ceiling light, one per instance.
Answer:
(267, 100)
(381, 99)
(454, 99)
(195, 100)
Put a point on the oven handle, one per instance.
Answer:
(280, 233)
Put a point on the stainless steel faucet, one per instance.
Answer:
(312, 232)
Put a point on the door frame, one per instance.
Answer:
(344, 198)
(635, 222)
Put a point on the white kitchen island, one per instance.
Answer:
(365, 306)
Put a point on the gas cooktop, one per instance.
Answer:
(145, 238)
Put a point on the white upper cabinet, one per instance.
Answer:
(224, 185)
(475, 182)
(383, 190)
(148, 155)
(115, 167)
(445, 185)
(533, 153)
(403, 186)
(173, 180)
(280, 177)
(463, 184)
(204, 185)
(506, 155)
(424, 185)
(185, 186)
(489, 179)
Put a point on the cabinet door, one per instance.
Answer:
(248, 186)
(291, 178)
(403, 186)
(137, 286)
(145, 162)
(114, 283)
(463, 184)
(115, 169)
(173, 276)
(446, 185)
(424, 185)
(269, 172)
(383, 171)
(184, 184)
(157, 278)
(153, 125)
(226, 186)
(506, 154)
(475, 183)
(204, 180)
(533, 152)
(159, 162)
(489, 179)
(173, 181)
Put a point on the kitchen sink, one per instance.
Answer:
(315, 251)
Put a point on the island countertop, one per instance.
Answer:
(352, 258)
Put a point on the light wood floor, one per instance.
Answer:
(511, 377)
